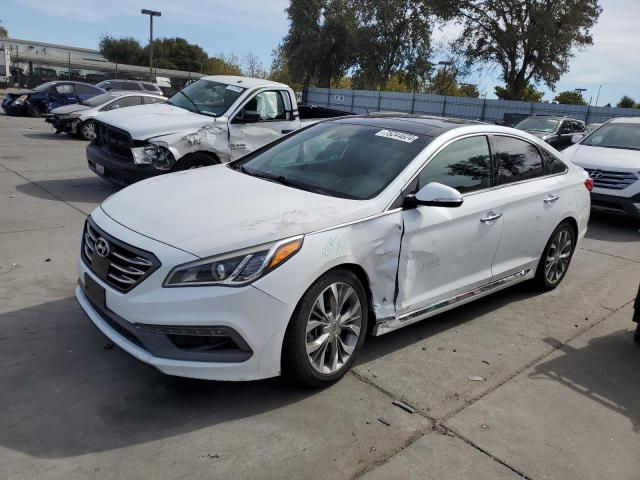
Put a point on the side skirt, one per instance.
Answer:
(389, 325)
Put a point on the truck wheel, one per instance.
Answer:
(35, 110)
(326, 331)
(87, 130)
(194, 160)
(556, 257)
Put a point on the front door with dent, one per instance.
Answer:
(264, 118)
(448, 251)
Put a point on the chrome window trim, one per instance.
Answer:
(483, 190)
(353, 222)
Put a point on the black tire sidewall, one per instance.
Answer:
(81, 130)
(35, 110)
(193, 160)
(295, 361)
(541, 278)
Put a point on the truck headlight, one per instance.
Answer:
(152, 154)
(20, 100)
(234, 269)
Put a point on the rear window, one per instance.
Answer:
(338, 159)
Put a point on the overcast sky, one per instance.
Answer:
(242, 26)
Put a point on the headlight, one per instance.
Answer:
(152, 154)
(68, 116)
(20, 100)
(236, 268)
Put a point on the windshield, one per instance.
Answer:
(538, 124)
(615, 135)
(99, 99)
(207, 97)
(44, 86)
(338, 159)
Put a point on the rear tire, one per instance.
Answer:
(327, 330)
(35, 110)
(194, 160)
(556, 257)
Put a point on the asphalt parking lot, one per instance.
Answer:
(518, 385)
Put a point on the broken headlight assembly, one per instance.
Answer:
(234, 269)
(152, 154)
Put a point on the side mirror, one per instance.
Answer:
(247, 116)
(577, 137)
(434, 194)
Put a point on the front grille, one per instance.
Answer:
(122, 266)
(114, 140)
(611, 179)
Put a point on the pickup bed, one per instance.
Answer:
(213, 120)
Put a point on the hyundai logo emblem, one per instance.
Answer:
(596, 174)
(102, 247)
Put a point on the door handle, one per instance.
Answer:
(490, 217)
(285, 131)
(551, 199)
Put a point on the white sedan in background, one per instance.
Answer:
(284, 260)
(78, 118)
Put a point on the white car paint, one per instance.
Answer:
(435, 258)
(607, 164)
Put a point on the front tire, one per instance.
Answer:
(194, 160)
(87, 130)
(556, 257)
(326, 331)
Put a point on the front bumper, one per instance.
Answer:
(131, 319)
(62, 125)
(629, 206)
(11, 109)
(119, 171)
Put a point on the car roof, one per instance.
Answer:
(411, 123)
(556, 117)
(247, 82)
(625, 120)
(127, 80)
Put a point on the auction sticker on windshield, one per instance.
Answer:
(403, 137)
(233, 88)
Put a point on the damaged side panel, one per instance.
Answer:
(211, 137)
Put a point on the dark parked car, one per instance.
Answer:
(556, 131)
(46, 97)
(129, 86)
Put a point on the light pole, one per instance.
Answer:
(598, 96)
(151, 13)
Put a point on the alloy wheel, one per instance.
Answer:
(89, 131)
(333, 328)
(558, 256)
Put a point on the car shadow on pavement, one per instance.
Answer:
(605, 371)
(65, 391)
(86, 189)
(612, 228)
(51, 136)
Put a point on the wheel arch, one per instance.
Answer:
(215, 159)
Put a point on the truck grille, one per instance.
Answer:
(611, 179)
(114, 140)
(118, 264)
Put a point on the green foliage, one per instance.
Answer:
(121, 50)
(627, 102)
(529, 41)
(3, 31)
(177, 54)
(529, 94)
(570, 98)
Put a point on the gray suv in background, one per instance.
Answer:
(129, 86)
(556, 131)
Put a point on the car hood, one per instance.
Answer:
(148, 121)
(74, 107)
(213, 210)
(589, 157)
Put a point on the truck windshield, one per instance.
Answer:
(340, 159)
(615, 135)
(207, 97)
(538, 125)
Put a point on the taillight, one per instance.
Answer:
(588, 183)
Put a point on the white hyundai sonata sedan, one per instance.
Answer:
(283, 261)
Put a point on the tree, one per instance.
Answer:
(223, 65)
(570, 98)
(530, 41)
(177, 54)
(121, 50)
(627, 102)
(253, 66)
(529, 94)
(3, 31)
(393, 38)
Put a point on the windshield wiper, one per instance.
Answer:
(192, 102)
(285, 181)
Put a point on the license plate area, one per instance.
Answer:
(95, 292)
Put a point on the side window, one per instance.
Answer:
(64, 89)
(150, 100)
(552, 164)
(123, 102)
(149, 88)
(565, 128)
(516, 160)
(579, 127)
(131, 86)
(269, 105)
(86, 90)
(464, 165)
